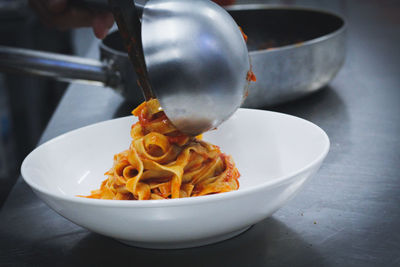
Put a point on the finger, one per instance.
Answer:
(102, 23)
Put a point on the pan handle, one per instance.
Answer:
(59, 67)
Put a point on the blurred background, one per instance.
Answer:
(27, 102)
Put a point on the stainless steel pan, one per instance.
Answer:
(294, 52)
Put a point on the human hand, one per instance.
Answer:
(61, 15)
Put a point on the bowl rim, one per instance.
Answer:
(181, 201)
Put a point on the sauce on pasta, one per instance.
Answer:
(163, 163)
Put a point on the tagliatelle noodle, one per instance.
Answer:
(163, 163)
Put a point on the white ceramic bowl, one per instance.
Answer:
(275, 154)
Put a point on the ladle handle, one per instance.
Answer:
(59, 67)
(127, 18)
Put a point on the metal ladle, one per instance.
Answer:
(197, 62)
(196, 58)
(190, 55)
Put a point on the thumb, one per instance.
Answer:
(101, 24)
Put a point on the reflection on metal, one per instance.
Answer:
(60, 67)
(197, 62)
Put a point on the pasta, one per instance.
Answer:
(163, 163)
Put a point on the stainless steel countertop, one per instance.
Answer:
(348, 215)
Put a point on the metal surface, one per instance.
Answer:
(130, 28)
(114, 69)
(112, 52)
(348, 215)
(60, 67)
(294, 51)
(197, 61)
